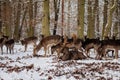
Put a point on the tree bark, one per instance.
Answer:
(81, 10)
(56, 11)
(105, 16)
(31, 20)
(109, 20)
(46, 19)
(90, 31)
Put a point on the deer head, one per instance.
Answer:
(47, 41)
(29, 40)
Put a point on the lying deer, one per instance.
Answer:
(67, 42)
(10, 45)
(29, 40)
(46, 43)
(73, 54)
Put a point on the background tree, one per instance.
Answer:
(62, 20)
(104, 16)
(6, 15)
(0, 18)
(17, 20)
(56, 12)
(109, 20)
(46, 18)
(81, 10)
(116, 22)
(91, 28)
(96, 13)
(31, 19)
(68, 19)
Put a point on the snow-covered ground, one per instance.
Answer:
(23, 66)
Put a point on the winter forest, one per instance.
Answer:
(59, 39)
(23, 18)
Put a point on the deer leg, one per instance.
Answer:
(116, 53)
(10, 50)
(45, 48)
(7, 50)
(34, 52)
(25, 48)
(2, 49)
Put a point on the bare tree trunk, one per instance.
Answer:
(62, 20)
(0, 18)
(31, 27)
(46, 19)
(17, 22)
(109, 20)
(97, 17)
(81, 10)
(6, 15)
(105, 16)
(23, 20)
(119, 18)
(116, 23)
(68, 21)
(90, 31)
(56, 11)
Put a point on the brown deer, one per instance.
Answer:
(91, 43)
(107, 45)
(72, 54)
(2, 42)
(29, 40)
(56, 48)
(10, 45)
(47, 42)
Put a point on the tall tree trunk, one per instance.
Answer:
(7, 18)
(56, 11)
(62, 20)
(17, 21)
(119, 18)
(81, 10)
(46, 19)
(90, 31)
(31, 27)
(23, 20)
(68, 20)
(109, 20)
(116, 23)
(105, 16)
(97, 17)
(35, 13)
(0, 18)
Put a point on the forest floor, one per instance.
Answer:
(23, 66)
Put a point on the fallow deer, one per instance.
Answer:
(73, 42)
(10, 45)
(29, 40)
(2, 42)
(57, 48)
(73, 54)
(46, 43)
(91, 43)
(109, 45)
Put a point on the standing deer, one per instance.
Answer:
(2, 42)
(10, 45)
(46, 43)
(29, 40)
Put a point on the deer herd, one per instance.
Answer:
(66, 48)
